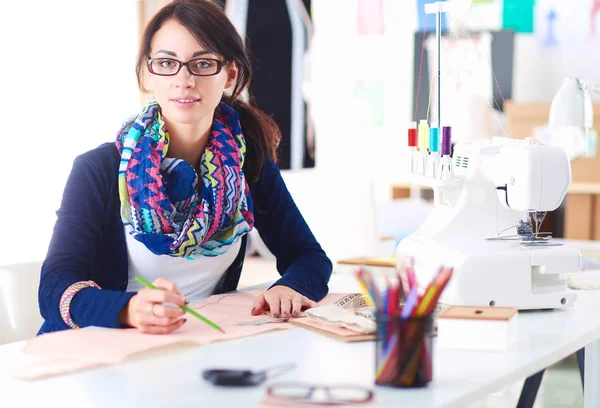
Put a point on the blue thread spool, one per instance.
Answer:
(434, 138)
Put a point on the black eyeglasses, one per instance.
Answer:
(309, 394)
(197, 67)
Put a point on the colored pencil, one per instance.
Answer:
(186, 308)
(405, 352)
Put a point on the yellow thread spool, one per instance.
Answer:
(423, 135)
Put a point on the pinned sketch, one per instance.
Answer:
(550, 39)
(466, 85)
(478, 16)
(370, 17)
(368, 97)
(559, 24)
(594, 14)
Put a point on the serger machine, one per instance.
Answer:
(486, 220)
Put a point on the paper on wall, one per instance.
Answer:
(466, 85)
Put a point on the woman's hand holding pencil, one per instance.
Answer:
(183, 307)
(147, 310)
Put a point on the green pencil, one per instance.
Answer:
(187, 309)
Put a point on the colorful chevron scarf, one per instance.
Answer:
(159, 195)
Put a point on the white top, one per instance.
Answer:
(173, 376)
(196, 276)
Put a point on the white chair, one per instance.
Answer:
(20, 317)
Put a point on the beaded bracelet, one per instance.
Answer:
(67, 297)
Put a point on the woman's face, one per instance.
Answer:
(186, 98)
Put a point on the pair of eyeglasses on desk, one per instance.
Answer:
(302, 394)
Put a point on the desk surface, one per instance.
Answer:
(574, 188)
(171, 377)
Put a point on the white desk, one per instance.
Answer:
(172, 377)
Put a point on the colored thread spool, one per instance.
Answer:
(446, 141)
(412, 134)
(434, 138)
(423, 135)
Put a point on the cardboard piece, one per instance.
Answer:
(478, 313)
(389, 262)
(477, 328)
(378, 266)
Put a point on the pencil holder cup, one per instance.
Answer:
(403, 351)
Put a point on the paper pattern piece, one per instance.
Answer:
(75, 350)
(368, 97)
(550, 39)
(343, 313)
(340, 320)
(335, 316)
(518, 15)
(370, 17)
(338, 333)
(594, 12)
(466, 84)
(482, 15)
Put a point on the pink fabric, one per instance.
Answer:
(75, 350)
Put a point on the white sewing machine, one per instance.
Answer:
(481, 226)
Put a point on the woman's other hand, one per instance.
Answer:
(148, 312)
(282, 302)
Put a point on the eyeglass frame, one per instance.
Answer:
(220, 65)
(311, 388)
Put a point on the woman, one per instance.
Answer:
(174, 197)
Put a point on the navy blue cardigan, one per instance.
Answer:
(88, 243)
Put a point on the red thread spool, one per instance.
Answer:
(412, 135)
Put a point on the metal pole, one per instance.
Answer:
(438, 29)
(591, 394)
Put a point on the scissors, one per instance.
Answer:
(242, 378)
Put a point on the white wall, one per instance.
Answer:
(340, 58)
(66, 84)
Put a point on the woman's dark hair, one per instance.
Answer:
(209, 25)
